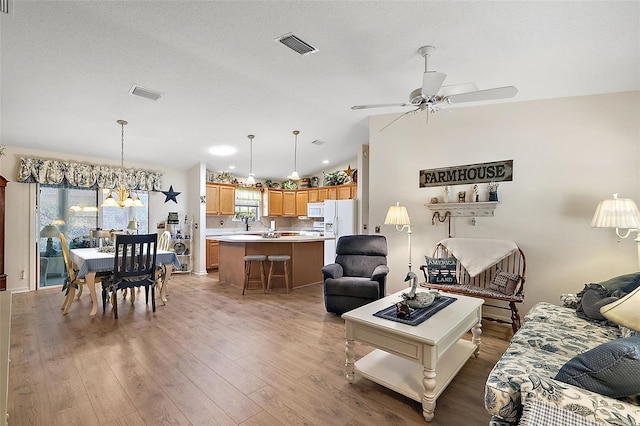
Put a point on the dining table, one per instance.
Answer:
(91, 261)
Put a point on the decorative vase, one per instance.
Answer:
(493, 196)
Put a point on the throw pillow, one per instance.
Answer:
(611, 369)
(592, 298)
(505, 282)
(441, 270)
(626, 283)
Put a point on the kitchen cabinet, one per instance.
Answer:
(322, 194)
(289, 203)
(344, 192)
(302, 199)
(213, 254)
(220, 199)
(272, 202)
(332, 193)
(313, 195)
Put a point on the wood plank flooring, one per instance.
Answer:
(211, 356)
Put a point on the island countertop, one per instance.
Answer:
(244, 238)
(306, 257)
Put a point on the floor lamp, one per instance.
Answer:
(621, 213)
(397, 215)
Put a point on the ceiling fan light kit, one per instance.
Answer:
(433, 95)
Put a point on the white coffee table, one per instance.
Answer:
(415, 361)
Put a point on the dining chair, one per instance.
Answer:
(71, 282)
(134, 265)
(164, 241)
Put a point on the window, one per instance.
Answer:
(74, 212)
(247, 204)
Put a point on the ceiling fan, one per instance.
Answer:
(432, 95)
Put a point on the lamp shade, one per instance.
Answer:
(397, 215)
(625, 311)
(616, 213)
(49, 231)
(133, 225)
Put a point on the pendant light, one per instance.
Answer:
(124, 195)
(251, 180)
(294, 175)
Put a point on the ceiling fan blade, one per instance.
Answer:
(355, 107)
(432, 82)
(455, 89)
(484, 95)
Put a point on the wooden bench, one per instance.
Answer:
(478, 286)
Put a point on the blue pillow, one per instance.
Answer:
(627, 283)
(611, 369)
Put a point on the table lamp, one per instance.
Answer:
(133, 226)
(618, 213)
(399, 216)
(49, 232)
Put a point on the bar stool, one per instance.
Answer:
(284, 258)
(247, 271)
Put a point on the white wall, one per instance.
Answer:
(20, 235)
(568, 154)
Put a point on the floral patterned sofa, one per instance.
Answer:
(523, 379)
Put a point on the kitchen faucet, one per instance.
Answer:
(246, 223)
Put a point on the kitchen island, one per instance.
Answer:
(307, 257)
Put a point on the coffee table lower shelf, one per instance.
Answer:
(405, 377)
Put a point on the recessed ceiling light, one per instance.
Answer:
(232, 167)
(325, 161)
(222, 150)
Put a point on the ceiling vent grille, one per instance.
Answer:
(136, 90)
(296, 44)
(318, 142)
(4, 6)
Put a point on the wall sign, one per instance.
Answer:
(497, 171)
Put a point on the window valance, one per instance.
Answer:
(56, 172)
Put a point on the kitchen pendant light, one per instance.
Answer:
(123, 194)
(294, 175)
(251, 180)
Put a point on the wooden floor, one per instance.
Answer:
(211, 356)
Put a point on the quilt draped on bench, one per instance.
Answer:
(478, 254)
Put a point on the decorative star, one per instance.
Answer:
(349, 170)
(171, 195)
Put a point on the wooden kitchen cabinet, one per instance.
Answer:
(313, 195)
(289, 203)
(332, 193)
(302, 199)
(344, 192)
(220, 199)
(213, 254)
(272, 202)
(322, 194)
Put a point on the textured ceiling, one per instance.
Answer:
(67, 68)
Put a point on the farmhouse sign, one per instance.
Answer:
(497, 171)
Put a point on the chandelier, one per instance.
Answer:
(123, 194)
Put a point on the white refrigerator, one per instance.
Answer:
(340, 218)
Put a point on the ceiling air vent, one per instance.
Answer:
(296, 44)
(145, 93)
(318, 142)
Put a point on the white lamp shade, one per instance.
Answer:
(616, 213)
(294, 176)
(251, 180)
(625, 311)
(49, 231)
(397, 215)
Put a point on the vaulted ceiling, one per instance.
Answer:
(67, 68)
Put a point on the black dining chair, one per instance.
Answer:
(134, 265)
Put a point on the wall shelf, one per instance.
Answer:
(479, 209)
